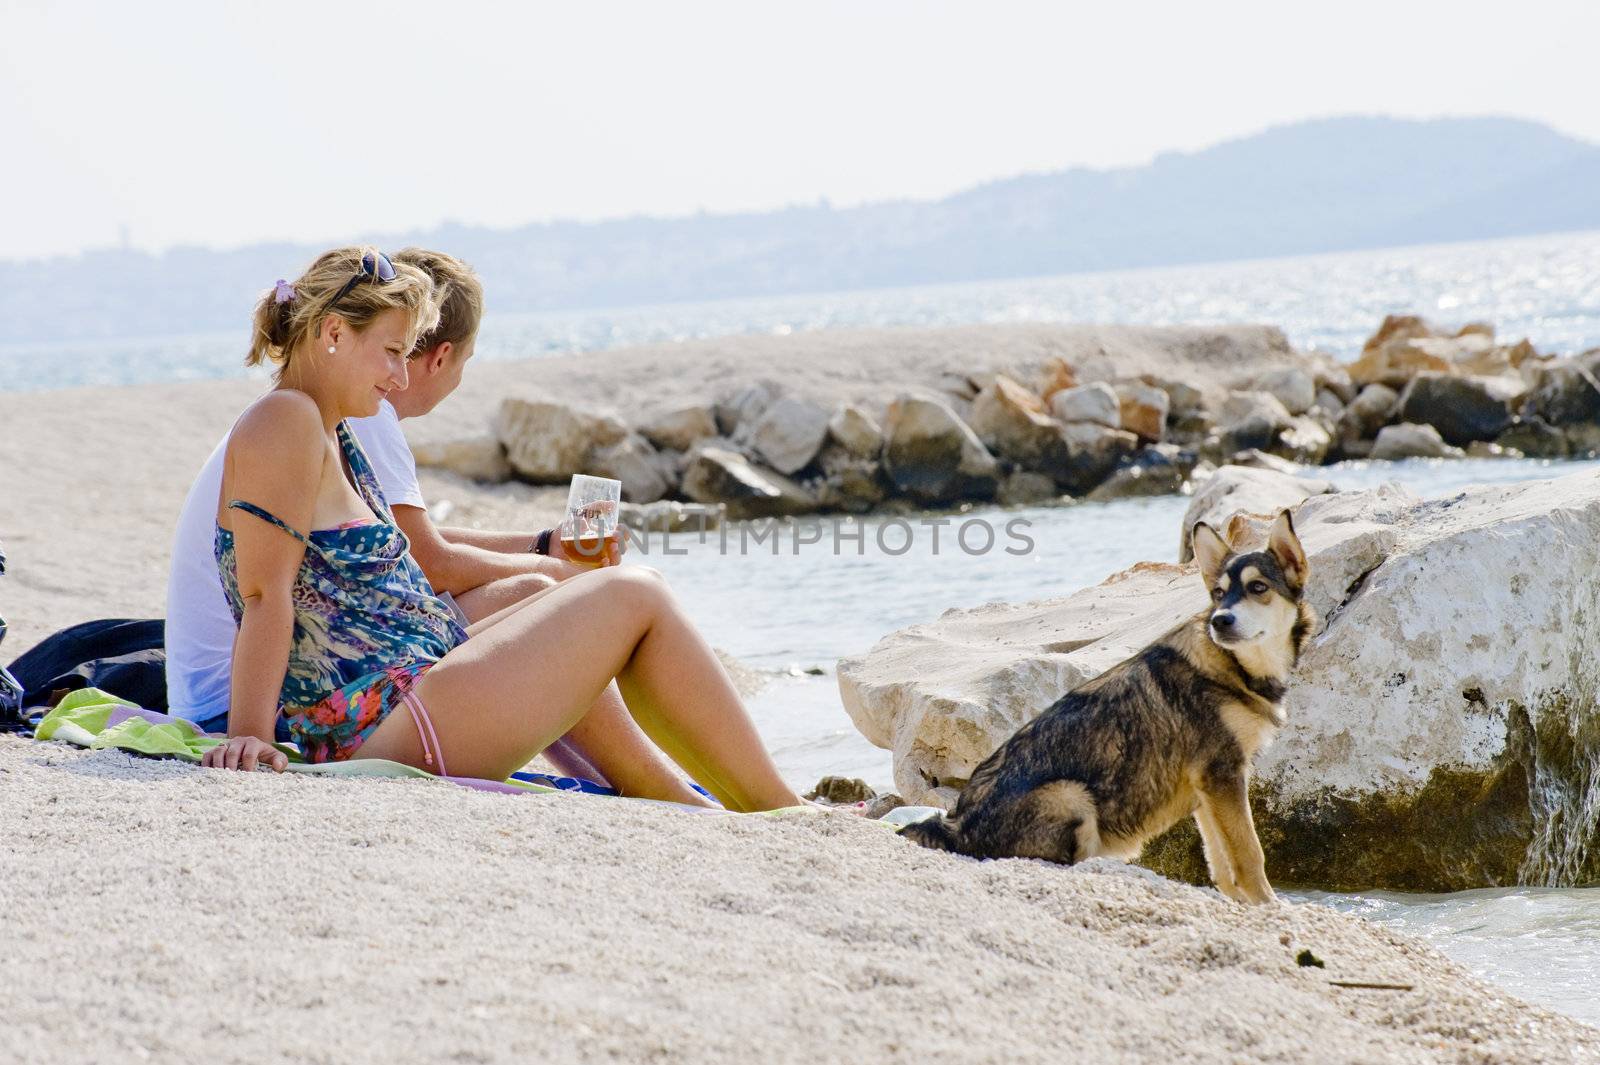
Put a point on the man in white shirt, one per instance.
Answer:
(479, 572)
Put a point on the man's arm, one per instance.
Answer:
(490, 541)
(455, 567)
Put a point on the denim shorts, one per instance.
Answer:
(219, 726)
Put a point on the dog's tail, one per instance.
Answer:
(934, 833)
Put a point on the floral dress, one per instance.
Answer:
(367, 625)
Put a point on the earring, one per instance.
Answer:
(332, 349)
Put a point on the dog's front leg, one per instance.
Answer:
(1227, 802)
(1218, 859)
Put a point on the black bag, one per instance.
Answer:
(122, 656)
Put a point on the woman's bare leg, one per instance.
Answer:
(524, 681)
(606, 745)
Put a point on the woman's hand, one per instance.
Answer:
(245, 752)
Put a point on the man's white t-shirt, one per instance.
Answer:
(200, 628)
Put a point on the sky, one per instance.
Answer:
(216, 124)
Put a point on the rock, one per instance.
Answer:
(1332, 376)
(1442, 748)
(879, 805)
(482, 458)
(681, 429)
(856, 431)
(716, 475)
(1183, 398)
(1022, 487)
(1536, 438)
(1304, 441)
(1583, 439)
(1159, 469)
(1328, 403)
(943, 695)
(1244, 490)
(1463, 409)
(669, 515)
(789, 433)
(1483, 449)
(1370, 411)
(1261, 460)
(548, 443)
(1191, 429)
(1012, 423)
(1092, 452)
(1390, 356)
(1293, 387)
(851, 484)
(1565, 392)
(841, 791)
(1250, 420)
(933, 456)
(1097, 403)
(745, 405)
(636, 464)
(1057, 377)
(1143, 410)
(1411, 441)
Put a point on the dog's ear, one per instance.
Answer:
(1285, 547)
(1211, 551)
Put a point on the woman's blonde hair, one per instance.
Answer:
(459, 292)
(289, 313)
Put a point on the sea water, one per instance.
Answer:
(1542, 288)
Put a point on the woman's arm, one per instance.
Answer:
(274, 460)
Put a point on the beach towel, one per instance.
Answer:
(99, 720)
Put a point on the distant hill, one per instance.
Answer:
(1326, 185)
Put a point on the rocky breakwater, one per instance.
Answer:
(1426, 392)
(1086, 414)
(1443, 727)
(858, 422)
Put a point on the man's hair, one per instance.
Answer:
(459, 294)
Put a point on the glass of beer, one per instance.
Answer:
(594, 505)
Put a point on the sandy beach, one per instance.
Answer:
(157, 911)
(162, 912)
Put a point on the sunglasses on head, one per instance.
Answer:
(378, 268)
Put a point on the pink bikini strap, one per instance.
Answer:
(431, 752)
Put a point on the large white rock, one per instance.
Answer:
(680, 429)
(1097, 403)
(1292, 386)
(549, 442)
(1443, 728)
(856, 431)
(789, 433)
(642, 470)
(1411, 441)
(716, 475)
(1243, 490)
(934, 456)
(482, 458)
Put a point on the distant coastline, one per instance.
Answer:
(1375, 183)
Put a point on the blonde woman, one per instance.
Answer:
(339, 629)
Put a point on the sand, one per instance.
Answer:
(151, 910)
(155, 911)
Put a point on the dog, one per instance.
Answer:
(1167, 733)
